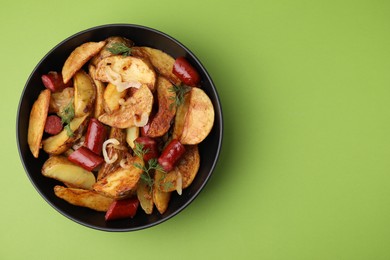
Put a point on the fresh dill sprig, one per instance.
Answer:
(147, 169)
(166, 185)
(119, 48)
(152, 164)
(179, 91)
(139, 150)
(67, 115)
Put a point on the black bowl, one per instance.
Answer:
(54, 60)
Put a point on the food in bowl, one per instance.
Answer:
(121, 125)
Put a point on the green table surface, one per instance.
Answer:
(304, 172)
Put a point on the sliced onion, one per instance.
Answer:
(112, 160)
(123, 163)
(142, 121)
(105, 155)
(116, 79)
(120, 147)
(179, 183)
(120, 86)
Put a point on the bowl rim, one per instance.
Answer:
(219, 134)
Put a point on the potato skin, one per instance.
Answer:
(145, 197)
(161, 61)
(83, 198)
(61, 169)
(121, 183)
(100, 87)
(199, 118)
(78, 57)
(160, 198)
(180, 118)
(161, 122)
(84, 93)
(37, 121)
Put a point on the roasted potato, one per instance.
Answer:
(84, 93)
(122, 182)
(61, 142)
(78, 57)
(84, 198)
(161, 122)
(111, 97)
(104, 52)
(61, 169)
(37, 121)
(187, 168)
(161, 61)
(135, 110)
(100, 87)
(145, 197)
(196, 118)
(126, 71)
(59, 100)
(160, 198)
(180, 118)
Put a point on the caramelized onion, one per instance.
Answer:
(116, 79)
(179, 183)
(105, 155)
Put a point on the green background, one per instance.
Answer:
(304, 172)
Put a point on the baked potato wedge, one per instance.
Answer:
(84, 198)
(59, 100)
(110, 42)
(125, 72)
(196, 117)
(111, 97)
(160, 198)
(161, 122)
(135, 110)
(78, 57)
(161, 61)
(145, 197)
(180, 118)
(37, 121)
(100, 87)
(84, 93)
(184, 171)
(61, 142)
(122, 182)
(61, 169)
